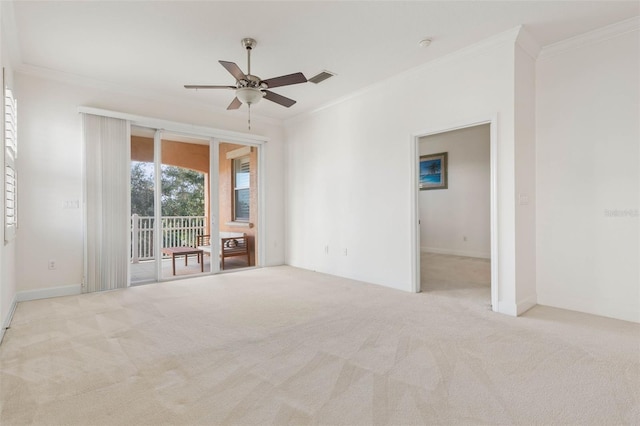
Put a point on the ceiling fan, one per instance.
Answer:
(250, 88)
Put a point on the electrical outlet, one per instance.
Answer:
(344, 252)
(52, 264)
(326, 249)
(464, 238)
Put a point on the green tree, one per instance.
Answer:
(182, 191)
(141, 189)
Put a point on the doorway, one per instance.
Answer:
(177, 181)
(454, 228)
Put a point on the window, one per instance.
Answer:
(241, 189)
(10, 154)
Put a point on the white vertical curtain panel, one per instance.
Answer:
(106, 194)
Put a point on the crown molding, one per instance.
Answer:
(150, 95)
(529, 44)
(592, 37)
(508, 36)
(10, 32)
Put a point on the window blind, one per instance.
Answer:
(106, 193)
(10, 173)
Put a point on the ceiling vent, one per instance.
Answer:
(320, 77)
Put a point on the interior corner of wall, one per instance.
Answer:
(6, 321)
(524, 305)
(525, 40)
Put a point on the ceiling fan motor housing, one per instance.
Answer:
(251, 81)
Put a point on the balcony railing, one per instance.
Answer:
(176, 231)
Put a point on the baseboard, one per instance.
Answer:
(7, 321)
(507, 308)
(517, 309)
(46, 293)
(604, 308)
(454, 252)
(524, 305)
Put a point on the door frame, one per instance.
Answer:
(214, 136)
(415, 208)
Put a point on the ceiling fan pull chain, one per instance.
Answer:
(249, 105)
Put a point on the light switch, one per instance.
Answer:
(71, 204)
(523, 199)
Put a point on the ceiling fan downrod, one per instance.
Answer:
(249, 43)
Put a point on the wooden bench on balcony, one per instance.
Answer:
(232, 244)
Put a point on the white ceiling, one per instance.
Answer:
(157, 47)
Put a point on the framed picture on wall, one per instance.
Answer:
(433, 171)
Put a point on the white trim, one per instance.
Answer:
(47, 293)
(453, 252)
(214, 202)
(157, 202)
(151, 95)
(487, 43)
(506, 308)
(495, 258)
(516, 309)
(177, 127)
(7, 321)
(592, 37)
(85, 227)
(527, 43)
(259, 255)
(415, 214)
(10, 33)
(128, 199)
(523, 306)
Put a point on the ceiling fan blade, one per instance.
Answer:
(235, 104)
(234, 70)
(279, 99)
(200, 86)
(285, 80)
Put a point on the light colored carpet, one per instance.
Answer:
(288, 346)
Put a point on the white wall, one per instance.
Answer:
(456, 220)
(588, 135)
(51, 170)
(525, 148)
(350, 175)
(7, 249)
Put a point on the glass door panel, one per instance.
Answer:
(238, 205)
(143, 256)
(184, 205)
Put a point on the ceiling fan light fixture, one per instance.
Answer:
(249, 95)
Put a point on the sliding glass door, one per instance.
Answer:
(177, 181)
(170, 205)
